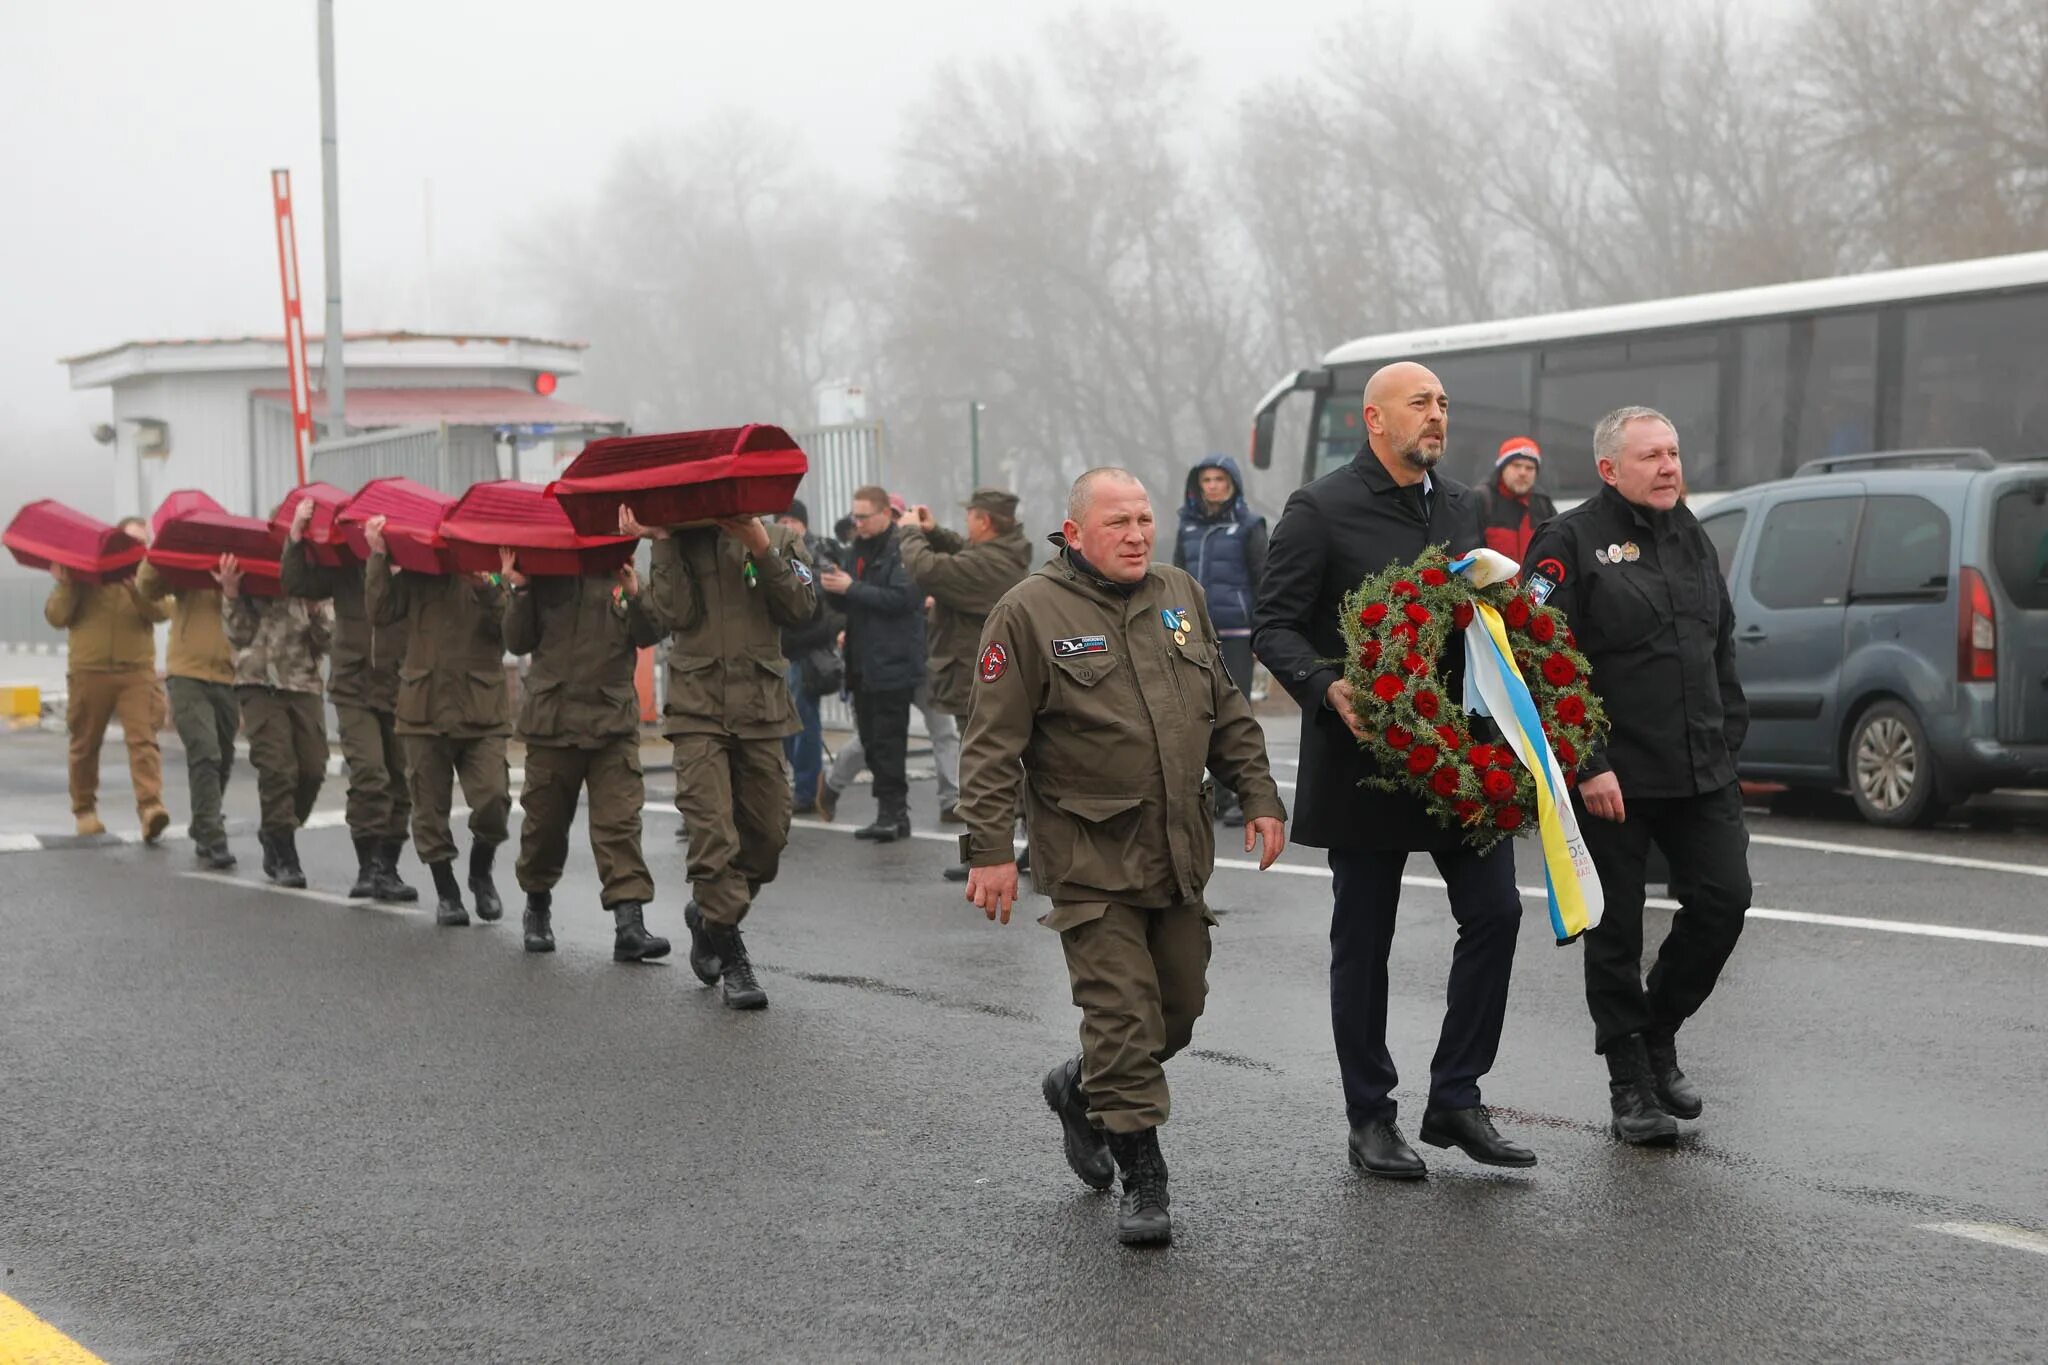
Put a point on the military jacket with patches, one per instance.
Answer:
(451, 681)
(727, 608)
(585, 640)
(1107, 707)
(279, 641)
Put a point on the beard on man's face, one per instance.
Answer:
(1416, 456)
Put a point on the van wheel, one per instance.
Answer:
(1891, 769)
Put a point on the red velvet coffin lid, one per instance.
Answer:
(325, 543)
(47, 532)
(190, 533)
(412, 531)
(683, 477)
(523, 517)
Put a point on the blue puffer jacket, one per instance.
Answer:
(1225, 551)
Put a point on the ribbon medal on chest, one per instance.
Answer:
(1177, 621)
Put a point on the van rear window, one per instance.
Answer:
(2019, 546)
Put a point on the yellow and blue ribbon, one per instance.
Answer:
(1494, 686)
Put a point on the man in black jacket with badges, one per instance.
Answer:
(1641, 586)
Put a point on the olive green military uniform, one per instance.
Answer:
(362, 682)
(1115, 703)
(453, 713)
(279, 644)
(964, 581)
(199, 670)
(728, 703)
(110, 671)
(581, 725)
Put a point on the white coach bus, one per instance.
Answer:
(1757, 380)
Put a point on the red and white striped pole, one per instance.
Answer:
(294, 319)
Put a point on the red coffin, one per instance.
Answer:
(325, 543)
(47, 532)
(412, 529)
(524, 518)
(190, 533)
(687, 476)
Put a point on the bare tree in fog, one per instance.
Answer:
(716, 269)
(1934, 120)
(1058, 258)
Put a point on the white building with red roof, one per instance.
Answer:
(215, 413)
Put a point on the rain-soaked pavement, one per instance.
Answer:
(244, 1124)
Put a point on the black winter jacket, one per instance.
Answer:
(884, 619)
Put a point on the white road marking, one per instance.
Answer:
(19, 843)
(1998, 1234)
(306, 894)
(1900, 855)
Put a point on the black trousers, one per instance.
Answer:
(1707, 845)
(1488, 910)
(883, 720)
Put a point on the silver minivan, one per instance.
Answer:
(1891, 626)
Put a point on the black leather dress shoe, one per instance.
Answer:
(1472, 1132)
(1377, 1148)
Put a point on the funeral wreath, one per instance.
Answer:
(1397, 624)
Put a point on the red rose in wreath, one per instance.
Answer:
(1396, 625)
(1567, 756)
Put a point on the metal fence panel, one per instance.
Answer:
(416, 453)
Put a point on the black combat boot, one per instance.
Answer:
(488, 906)
(1141, 1216)
(448, 909)
(630, 941)
(267, 843)
(215, 857)
(367, 867)
(956, 872)
(389, 886)
(1229, 812)
(703, 949)
(742, 991)
(540, 935)
(1087, 1149)
(1637, 1119)
(1675, 1094)
(284, 846)
(889, 826)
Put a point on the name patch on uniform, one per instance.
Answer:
(1080, 644)
(1540, 588)
(994, 660)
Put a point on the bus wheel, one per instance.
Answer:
(1891, 770)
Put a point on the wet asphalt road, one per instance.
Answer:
(242, 1124)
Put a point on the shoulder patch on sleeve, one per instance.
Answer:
(1551, 568)
(801, 570)
(994, 660)
(1540, 588)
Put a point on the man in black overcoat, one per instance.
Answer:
(1383, 508)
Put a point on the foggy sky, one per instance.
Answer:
(140, 134)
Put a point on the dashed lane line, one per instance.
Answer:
(1997, 1234)
(27, 1338)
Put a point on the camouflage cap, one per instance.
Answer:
(1000, 501)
